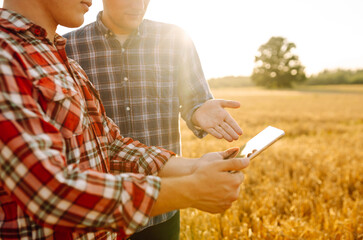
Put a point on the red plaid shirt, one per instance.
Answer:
(65, 171)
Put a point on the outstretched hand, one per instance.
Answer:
(215, 120)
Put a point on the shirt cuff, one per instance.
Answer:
(197, 131)
(142, 192)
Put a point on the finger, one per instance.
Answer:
(229, 130)
(225, 135)
(233, 124)
(234, 164)
(214, 133)
(230, 153)
(225, 206)
(230, 104)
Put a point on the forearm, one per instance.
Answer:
(178, 166)
(175, 193)
(193, 87)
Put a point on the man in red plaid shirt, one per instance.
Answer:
(149, 78)
(65, 171)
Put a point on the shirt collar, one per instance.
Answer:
(18, 23)
(14, 21)
(107, 32)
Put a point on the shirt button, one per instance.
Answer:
(128, 108)
(125, 79)
(37, 31)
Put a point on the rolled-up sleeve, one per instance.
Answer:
(47, 186)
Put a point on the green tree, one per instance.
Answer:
(337, 76)
(276, 66)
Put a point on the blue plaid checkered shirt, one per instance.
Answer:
(146, 83)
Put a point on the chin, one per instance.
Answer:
(72, 23)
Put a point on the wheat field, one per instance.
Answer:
(308, 185)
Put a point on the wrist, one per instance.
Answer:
(194, 119)
(175, 193)
(178, 166)
(190, 191)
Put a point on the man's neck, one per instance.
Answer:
(35, 12)
(121, 38)
(113, 27)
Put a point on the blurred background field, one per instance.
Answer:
(309, 185)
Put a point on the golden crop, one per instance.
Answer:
(308, 185)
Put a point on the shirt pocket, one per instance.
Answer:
(65, 108)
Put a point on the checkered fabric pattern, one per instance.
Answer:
(146, 83)
(65, 170)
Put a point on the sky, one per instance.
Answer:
(227, 33)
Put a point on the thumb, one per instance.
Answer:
(230, 153)
(230, 104)
(234, 164)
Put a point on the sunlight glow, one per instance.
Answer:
(228, 33)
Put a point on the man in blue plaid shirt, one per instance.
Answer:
(147, 73)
